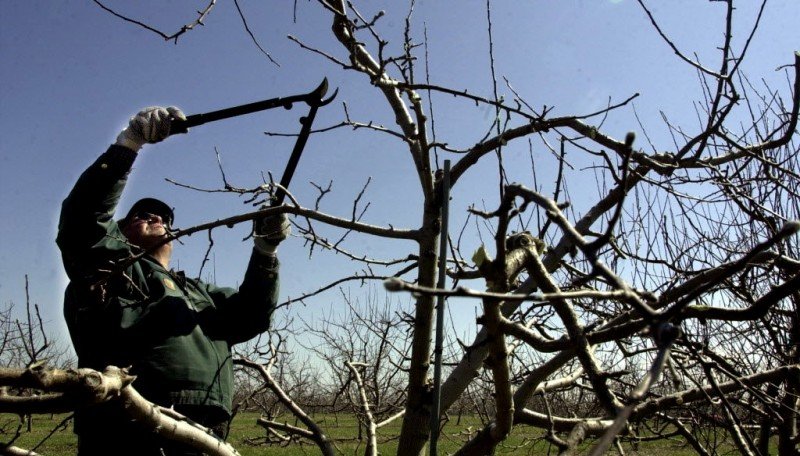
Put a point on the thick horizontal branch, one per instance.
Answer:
(392, 233)
(717, 273)
(395, 284)
(757, 310)
(789, 229)
(560, 424)
(67, 388)
(698, 394)
(599, 425)
(82, 387)
(39, 405)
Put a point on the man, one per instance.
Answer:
(175, 333)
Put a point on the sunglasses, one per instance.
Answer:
(149, 217)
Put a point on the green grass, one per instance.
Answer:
(49, 434)
(342, 429)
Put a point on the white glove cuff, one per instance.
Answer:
(265, 248)
(125, 140)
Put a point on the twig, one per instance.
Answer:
(199, 21)
(675, 48)
(253, 37)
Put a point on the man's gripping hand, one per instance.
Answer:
(150, 125)
(269, 231)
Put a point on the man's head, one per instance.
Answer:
(147, 222)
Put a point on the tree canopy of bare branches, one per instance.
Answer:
(664, 304)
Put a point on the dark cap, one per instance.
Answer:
(152, 206)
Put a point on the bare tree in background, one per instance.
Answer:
(365, 350)
(24, 340)
(667, 306)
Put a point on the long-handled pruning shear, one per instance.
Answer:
(313, 99)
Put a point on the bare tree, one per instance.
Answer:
(628, 314)
(365, 349)
(24, 339)
(24, 343)
(666, 306)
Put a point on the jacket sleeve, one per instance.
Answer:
(88, 236)
(243, 314)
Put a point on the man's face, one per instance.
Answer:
(145, 229)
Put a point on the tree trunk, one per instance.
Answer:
(787, 431)
(767, 423)
(415, 430)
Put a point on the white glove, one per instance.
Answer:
(150, 125)
(269, 231)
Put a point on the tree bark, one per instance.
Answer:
(415, 430)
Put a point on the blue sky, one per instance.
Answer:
(72, 75)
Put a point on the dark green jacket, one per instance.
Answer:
(175, 332)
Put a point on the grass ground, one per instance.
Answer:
(51, 436)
